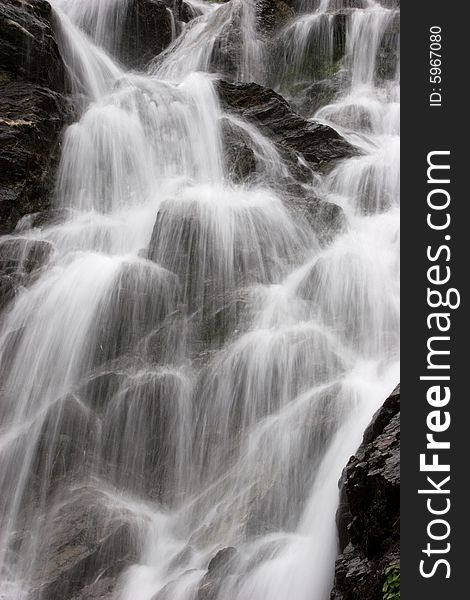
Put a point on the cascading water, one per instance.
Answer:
(206, 376)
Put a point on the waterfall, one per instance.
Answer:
(191, 354)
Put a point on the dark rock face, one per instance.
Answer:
(320, 93)
(67, 438)
(219, 567)
(86, 540)
(388, 55)
(228, 46)
(147, 30)
(390, 3)
(326, 218)
(24, 254)
(227, 53)
(103, 589)
(142, 296)
(183, 12)
(32, 108)
(240, 159)
(272, 14)
(28, 48)
(340, 4)
(20, 259)
(369, 514)
(146, 410)
(319, 145)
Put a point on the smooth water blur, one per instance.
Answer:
(189, 350)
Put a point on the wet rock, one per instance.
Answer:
(28, 48)
(222, 560)
(390, 3)
(149, 410)
(66, 443)
(389, 52)
(369, 515)
(103, 589)
(45, 218)
(30, 125)
(141, 297)
(227, 54)
(9, 285)
(341, 4)
(100, 388)
(307, 51)
(88, 543)
(272, 14)
(191, 233)
(20, 258)
(227, 50)
(243, 164)
(319, 145)
(147, 30)
(320, 93)
(183, 11)
(240, 159)
(326, 218)
(24, 254)
(187, 580)
(220, 566)
(33, 108)
(231, 309)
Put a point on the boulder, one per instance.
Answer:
(230, 315)
(368, 518)
(20, 259)
(68, 436)
(220, 566)
(147, 30)
(30, 125)
(240, 159)
(308, 50)
(143, 428)
(42, 219)
(24, 254)
(320, 93)
(243, 164)
(326, 218)
(227, 50)
(87, 543)
(319, 145)
(140, 299)
(272, 14)
(33, 108)
(100, 388)
(389, 51)
(228, 53)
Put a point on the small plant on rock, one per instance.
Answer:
(391, 587)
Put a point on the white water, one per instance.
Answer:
(249, 358)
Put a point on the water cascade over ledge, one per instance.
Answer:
(195, 362)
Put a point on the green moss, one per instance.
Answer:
(391, 586)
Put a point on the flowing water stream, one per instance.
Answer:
(192, 355)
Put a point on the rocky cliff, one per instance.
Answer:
(368, 518)
(33, 108)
